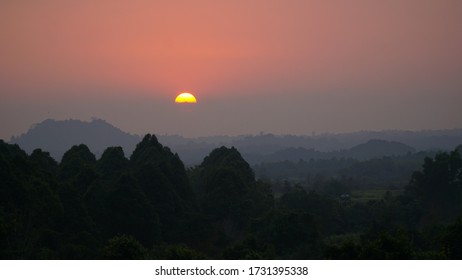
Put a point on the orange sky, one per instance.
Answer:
(236, 52)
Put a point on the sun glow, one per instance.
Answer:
(185, 97)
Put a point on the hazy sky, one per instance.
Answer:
(255, 66)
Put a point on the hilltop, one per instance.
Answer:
(56, 137)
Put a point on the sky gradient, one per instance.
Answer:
(255, 66)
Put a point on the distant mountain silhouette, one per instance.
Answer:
(379, 148)
(270, 147)
(57, 137)
(295, 154)
(372, 149)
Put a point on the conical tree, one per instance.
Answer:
(162, 177)
(77, 172)
(230, 195)
(29, 207)
(78, 168)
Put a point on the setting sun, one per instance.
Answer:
(185, 97)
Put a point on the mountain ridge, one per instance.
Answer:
(57, 136)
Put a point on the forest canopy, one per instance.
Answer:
(149, 206)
